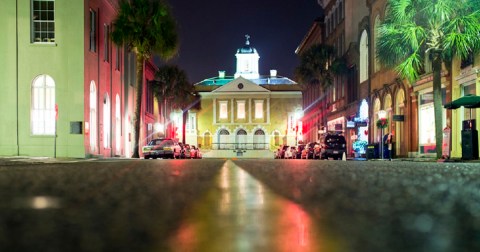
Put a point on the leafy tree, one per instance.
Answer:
(172, 87)
(436, 29)
(146, 27)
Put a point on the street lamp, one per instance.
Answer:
(382, 114)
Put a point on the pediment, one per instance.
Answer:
(241, 84)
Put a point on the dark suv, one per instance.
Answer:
(332, 145)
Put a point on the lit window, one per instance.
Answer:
(93, 116)
(241, 109)
(258, 109)
(43, 106)
(363, 57)
(223, 110)
(43, 21)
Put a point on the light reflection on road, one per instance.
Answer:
(240, 214)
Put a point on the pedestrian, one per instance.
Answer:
(387, 146)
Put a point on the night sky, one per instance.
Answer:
(211, 31)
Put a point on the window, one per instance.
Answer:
(106, 41)
(43, 106)
(93, 116)
(43, 21)
(376, 66)
(93, 31)
(191, 126)
(118, 125)
(258, 109)
(363, 57)
(106, 121)
(223, 110)
(241, 109)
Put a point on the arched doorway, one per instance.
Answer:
(276, 138)
(399, 131)
(207, 140)
(259, 140)
(241, 139)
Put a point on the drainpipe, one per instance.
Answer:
(16, 51)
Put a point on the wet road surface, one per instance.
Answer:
(241, 214)
(239, 205)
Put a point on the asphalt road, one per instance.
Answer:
(239, 205)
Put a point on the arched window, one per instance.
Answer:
(118, 125)
(42, 121)
(93, 116)
(106, 121)
(363, 57)
(259, 140)
(376, 64)
(241, 140)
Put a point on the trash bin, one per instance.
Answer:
(372, 151)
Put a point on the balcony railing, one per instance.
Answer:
(240, 146)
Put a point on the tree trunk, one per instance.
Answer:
(138, 106)
(437, 102)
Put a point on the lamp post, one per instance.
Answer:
(382, 114)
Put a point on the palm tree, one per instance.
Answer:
(172, 86)
(438, 29)
(317, 69)
(146, 27)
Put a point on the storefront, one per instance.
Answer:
(426, 121)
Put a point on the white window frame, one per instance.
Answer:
(241, 110)
(43, 21)
(223, 109)
(259, 109)
(42, 113)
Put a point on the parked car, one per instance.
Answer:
(161, 148)
(332, 146)
(195, 152)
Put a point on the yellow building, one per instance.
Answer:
(247, 114)
(466, 81)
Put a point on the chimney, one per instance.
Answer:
(221, 74)
(273, 73)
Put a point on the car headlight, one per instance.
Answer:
(167, 148)
(146, 149)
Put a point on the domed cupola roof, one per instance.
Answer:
(246, 48)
